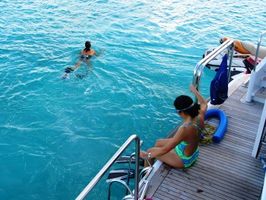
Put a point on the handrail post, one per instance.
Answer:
(231, 54)
(196, 80)
(258, 49)
(253, 72)
(137, 151)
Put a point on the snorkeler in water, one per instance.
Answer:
(87, 52)
(85, 55)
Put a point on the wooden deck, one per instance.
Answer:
(224, 171)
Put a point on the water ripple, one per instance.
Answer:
(55, 134)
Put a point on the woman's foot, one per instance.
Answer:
(143, 154)
(147, 162)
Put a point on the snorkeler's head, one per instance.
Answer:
(184, 104)
(87, 45)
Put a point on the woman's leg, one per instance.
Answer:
(172, 159)
(147, 162)
(77, 65)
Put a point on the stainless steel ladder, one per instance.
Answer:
(133, 195)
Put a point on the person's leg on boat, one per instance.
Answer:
(172, 159)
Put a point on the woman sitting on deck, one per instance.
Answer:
(181, 151)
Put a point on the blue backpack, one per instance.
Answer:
(219, 85)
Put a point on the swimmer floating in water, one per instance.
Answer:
(85, 55)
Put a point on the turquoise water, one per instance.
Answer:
(56, 134)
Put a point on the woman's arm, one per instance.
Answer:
(171, 143)
(202, 101)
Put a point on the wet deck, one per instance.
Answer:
(223, 171)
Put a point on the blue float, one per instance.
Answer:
(223, 122)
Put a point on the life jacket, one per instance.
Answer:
(219, 85)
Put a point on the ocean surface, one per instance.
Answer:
(56, 134)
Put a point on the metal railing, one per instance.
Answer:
(258, 48)
(228, 44)
(107, 166)
(252, 78)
